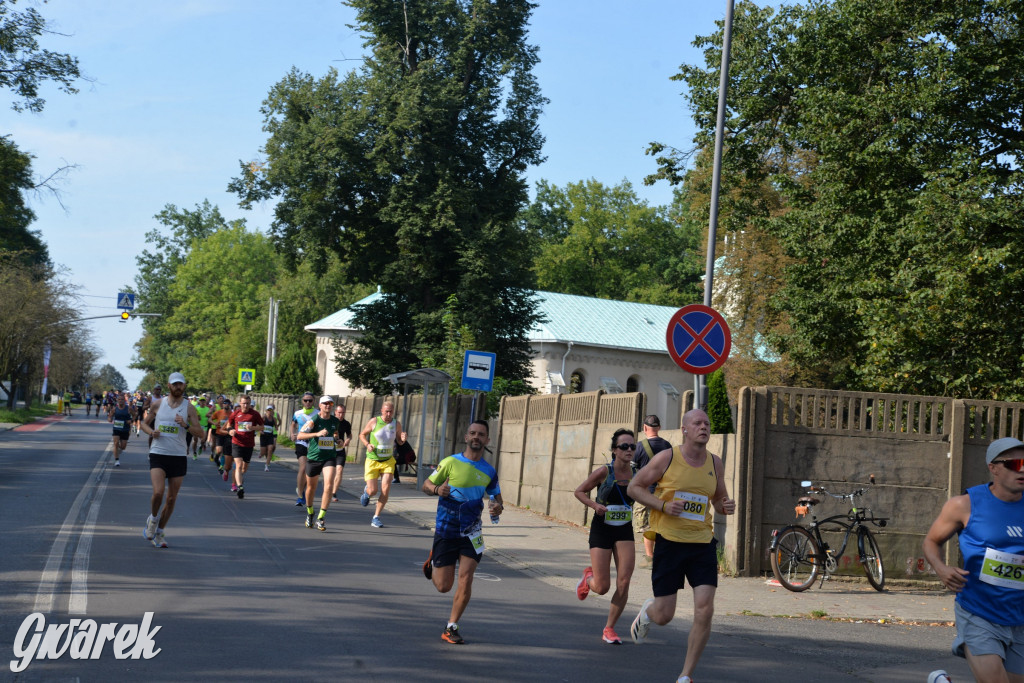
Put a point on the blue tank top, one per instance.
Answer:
(995, 586)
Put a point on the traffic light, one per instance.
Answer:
(125, 315)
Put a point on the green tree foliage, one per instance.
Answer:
(892, 134)
(607, 243)
(719, 412)
(15, 215)
(292, 372)
(411, 170)
(108, 377)
(24, 65)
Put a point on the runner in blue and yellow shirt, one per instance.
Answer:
(462, 482)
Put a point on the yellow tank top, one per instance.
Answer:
(696, 487)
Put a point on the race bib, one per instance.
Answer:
(224, 422)
(617, 515)
(383, 452)
(326, 442)
(268, 429)
(166, 428)
(1003, 569)
(118, 424)
(243, 427)
(477, 539)
(695, 506)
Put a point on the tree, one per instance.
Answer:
(607, 243)
(15, 215)
(108, 377)
(719, 412)
(892, 134)
(412, 167)
(292, 372)
(24, 66)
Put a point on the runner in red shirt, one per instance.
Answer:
(243, 425)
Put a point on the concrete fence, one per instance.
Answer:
(920, 449)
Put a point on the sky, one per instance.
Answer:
(173, 105)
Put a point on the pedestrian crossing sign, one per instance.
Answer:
(125, 301)
(246, 376)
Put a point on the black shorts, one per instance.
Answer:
(224, 442)
(673, 561)
(122, 434)
(315, 467)
(172, 465)
(188, 437)
(446, 551)
(605, 536)
(243, 452)
(300, 450)
(267, 439)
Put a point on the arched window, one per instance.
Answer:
(321, 368)
(576, 382)
(632, 384)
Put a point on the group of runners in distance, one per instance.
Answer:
(667, 494)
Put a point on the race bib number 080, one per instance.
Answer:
(695, 506)
(1003, 569)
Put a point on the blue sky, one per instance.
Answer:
(177, 86)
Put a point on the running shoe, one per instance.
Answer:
(321, 525)
(150, 530)
(376, 523)
(428, 567)
(117, 463)
(194, 457)
(234, 488)
(609, 636)
(241, 492)
(687, 679)
(642, 624)
(309, 521)
(451, 635)
(364, 499)
(300, 502)
(334, 499)
(583, 587)
(159, 541)
(224, 475)
(266, 468)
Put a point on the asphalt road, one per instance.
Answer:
(246, 592)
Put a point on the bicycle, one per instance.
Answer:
(799, 554)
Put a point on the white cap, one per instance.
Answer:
(326, 399)
(270, 407)
(175, 378)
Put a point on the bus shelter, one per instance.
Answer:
(433, 415)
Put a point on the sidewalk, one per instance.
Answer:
(556, 553)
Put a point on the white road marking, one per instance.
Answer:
(79, 599)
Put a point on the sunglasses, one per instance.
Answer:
(307, 400)
(626, 446)
(1014, 465)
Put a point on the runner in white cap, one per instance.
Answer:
(166, 422)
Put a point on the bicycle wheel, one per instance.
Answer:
(795, 559)
(871, 558)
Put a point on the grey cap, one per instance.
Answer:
(1000, 446)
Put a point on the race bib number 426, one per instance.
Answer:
(1003, 569)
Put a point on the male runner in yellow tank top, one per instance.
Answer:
(689, 489)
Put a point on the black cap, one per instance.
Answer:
(652, 421)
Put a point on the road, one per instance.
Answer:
(245, 591)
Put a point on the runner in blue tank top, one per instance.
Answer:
(989, 605)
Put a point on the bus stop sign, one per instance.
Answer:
(698, 339)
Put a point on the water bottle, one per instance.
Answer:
(939, 677)
(494, 518)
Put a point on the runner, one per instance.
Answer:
(166, 423)
(88, 404)
(461, 482)
(611, 530)
(222, 438)
(109, 401)
(140, 410)
(690, 489)
(345, 434)
(121, 417)
(243, 424)
(379, 436)
(300, 418)
(203, 411)
(268, 437)
(322, 429)
(67, 402)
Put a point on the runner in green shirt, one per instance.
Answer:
(322, 430)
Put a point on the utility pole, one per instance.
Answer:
(272, 330)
